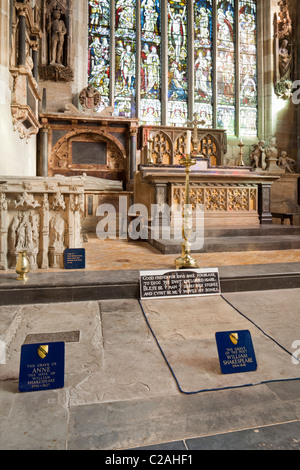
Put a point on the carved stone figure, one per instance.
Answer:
(286, 163)
(258, 156)
(57, 30)
(285, 61)
(57, 230)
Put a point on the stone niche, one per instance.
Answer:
(41, 216)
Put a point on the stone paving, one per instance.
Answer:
(120, 394)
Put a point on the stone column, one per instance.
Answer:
(3, 231)
(35, 62)
(45, 233)
(43, 164)
(22, 38)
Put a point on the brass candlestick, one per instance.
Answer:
(22, 267)
(241, 162)
(185, 261)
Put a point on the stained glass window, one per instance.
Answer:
(203, 52)
(248, 68)
(177, 62)
(149, 61)
(99, 48)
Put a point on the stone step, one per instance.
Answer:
(233, 243)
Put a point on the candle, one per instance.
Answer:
(188, 142)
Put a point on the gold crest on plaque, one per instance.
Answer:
(43, 351)
(234, 337)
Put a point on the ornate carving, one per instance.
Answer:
(56, 73)
(90, 99)
(218, 198)
(26, 201)
(32, 220)
(168, 145)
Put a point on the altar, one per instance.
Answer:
(230, 196)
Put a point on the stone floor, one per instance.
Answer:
(120, 393)
(107, 255)
(119, 390)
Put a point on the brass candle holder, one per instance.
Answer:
(185, 261)
(22, 267)
(241, 161)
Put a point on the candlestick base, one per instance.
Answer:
(185, 261)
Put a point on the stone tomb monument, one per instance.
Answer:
(41, 216)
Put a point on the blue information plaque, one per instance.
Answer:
(236, 352)
(42, 367)
(74, 258)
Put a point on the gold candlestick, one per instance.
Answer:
(22, 267)
(185, 261)
(241, 162)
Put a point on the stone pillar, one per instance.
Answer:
(45, 233)
(3, 232)
(43, 164)
(35, 62)
(264, 203)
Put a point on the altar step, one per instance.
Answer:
(224, 239)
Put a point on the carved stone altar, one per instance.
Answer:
(42, 216)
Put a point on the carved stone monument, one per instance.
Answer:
(41, 216)
(55, 55)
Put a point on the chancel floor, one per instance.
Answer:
(120, 392)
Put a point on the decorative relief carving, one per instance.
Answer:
(61, 156)
(165, 145)
(218, 198)
(283, 32)
(40, 221)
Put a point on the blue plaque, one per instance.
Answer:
(74, 258)
(42, 367)
(236, 352)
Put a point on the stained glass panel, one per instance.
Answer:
(150, 62)
(248, 67)
(99, 48)
(125, 49)
(203, 47)
(177, 58)
(226, 65)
